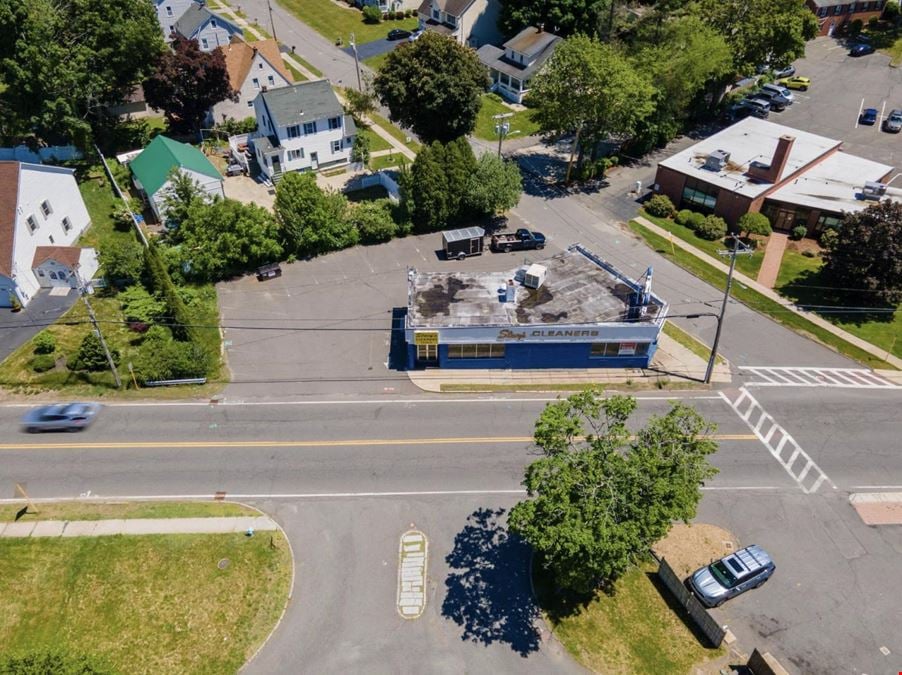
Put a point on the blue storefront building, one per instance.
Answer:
(573, 310)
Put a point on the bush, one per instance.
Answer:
(799, 232)
(829, 237)
(162, 358)
(696, 220)
(233, 127)
(683, 216)
(90, 355)
(374, 221)
(808, 253)
(873, 23)
(44, 342)
(660, 206)
(41, 363)
(712, 228)
(856, 26)
(140, 306)
(372, 14)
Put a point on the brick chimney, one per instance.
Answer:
(770, 173)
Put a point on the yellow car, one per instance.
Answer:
(796, 82)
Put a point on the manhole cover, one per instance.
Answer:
(222, 564)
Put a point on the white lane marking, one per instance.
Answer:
(806, 376)
(765, 427)
(860, 108)
(372, 401)
(413, 554)
(880, 118)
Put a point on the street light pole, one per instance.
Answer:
(738, 248)
(356, 61)
(502, 126)
(83, 289)
(272, 24)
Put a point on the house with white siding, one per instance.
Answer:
(40, 207)
(253, 68)
(301, 128)
(513, 65)
(170, 11)
(470, 22)
(208, 28)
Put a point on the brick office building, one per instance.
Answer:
(791, 176)
(833, 15)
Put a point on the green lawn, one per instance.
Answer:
(377, 143)
(333, 20)
(689, 341)
(387, 161)
(313, 69)
(147, 604)
(634, 630)
(295, 73)
(748, 265)
(375, 62)
(793, 265)
(81, 510)
(399, 135)
(755, 300)
(521, 123)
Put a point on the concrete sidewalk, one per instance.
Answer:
(673, 364)
(881, 354)
(100, 528)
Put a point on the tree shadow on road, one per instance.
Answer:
(488, 589)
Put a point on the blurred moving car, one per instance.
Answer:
(398, 34)
(861, 49)
(868, 116)
(795, 82)
(732, 575)
(893, 121)
(60, 417)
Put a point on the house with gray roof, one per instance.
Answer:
(513, 65)
(301, 128)
(470, 22)
(208, 28)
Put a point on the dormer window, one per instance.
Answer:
(32, 223)
(309, 128)
(46, 209)
(294, 131)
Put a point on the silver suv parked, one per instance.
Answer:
(732, 575)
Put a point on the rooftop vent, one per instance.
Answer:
(873, 190)
(535, 276)
(717, 160)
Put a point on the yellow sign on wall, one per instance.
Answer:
(425, 337)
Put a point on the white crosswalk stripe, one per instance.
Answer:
(780, 376)
(779, 442)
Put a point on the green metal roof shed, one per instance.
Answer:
(153, 165)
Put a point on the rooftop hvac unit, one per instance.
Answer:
(717, 160)
(535, 276)
(873, 190)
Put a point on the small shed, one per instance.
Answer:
(464, 242)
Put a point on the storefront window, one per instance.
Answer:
(427, 352)
(486, 351)
(699, 194)
(618, 349)
(828, 221)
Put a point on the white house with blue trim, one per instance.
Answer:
(208, 28)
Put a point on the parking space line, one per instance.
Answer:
(882, 113)
(860, 108)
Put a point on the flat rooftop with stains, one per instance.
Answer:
(579, 288)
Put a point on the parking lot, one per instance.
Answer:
(841, 86)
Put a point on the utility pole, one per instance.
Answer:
(272, 24)
(738, 248)
(502, 126)
(83, 289)
(356, 61)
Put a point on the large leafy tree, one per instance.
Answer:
(226, 238)
(867, 254)
(563, 17)
(312, 220)
(187, 82)
(590, 89)
(436, 194)
(495, 185)
(432, 86)
(602, 496)
(61, 63)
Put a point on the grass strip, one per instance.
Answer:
(306, 64)
(690, 342)
(295, 73)
(399, 135)
(776, 311)
(521, 123)
(82, 510)
(334, 21)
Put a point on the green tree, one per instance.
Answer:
(602, 496)
(44, 342)
(867, 254)
(360, 103)
(182, 192)
(138, 304)
(121, 259)
(360, 152)
(589, 89)
(495, 186)
(754, 223)
(374, 221)
(90, 355)
(460, 165)
(563, 17)
(62, 63)
(226, 238)
(432, 86)
(760, 31)
(428, 201)
(312, 221)
(53, 662)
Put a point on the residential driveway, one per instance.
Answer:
(42, 310)
(374, 48)
(343, 618)
(841, 86)
(249, 191)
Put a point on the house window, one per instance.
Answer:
(204, 44)
(51, 239)
(260, 66)
(32, 223)
(46, 209)
(486, 351)
(67, 224)
(41, 273)
(828, 221)
(822, 11)
(271, 80)
(168, 10)
(837, 9)
(336, 146)
(213, 23)
(309, 128)
(295, 154)
(334, 123)
(700, 194)
(294, 131)
(250, 104)
(436, 14)
(256, 83)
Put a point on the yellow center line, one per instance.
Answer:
(358, 442)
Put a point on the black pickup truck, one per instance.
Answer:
(521, 240)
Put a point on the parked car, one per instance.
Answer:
(893, 121)
(781, 90)
(868, 116)
(398, 34)
(795, 82)
(785, 72)
(415, 36)
(60, 417)
(269, 271)
(861, 49)
(776, 101)
(732, 575)
(521, 240)
(758, 107)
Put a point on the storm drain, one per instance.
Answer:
(412, 553)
